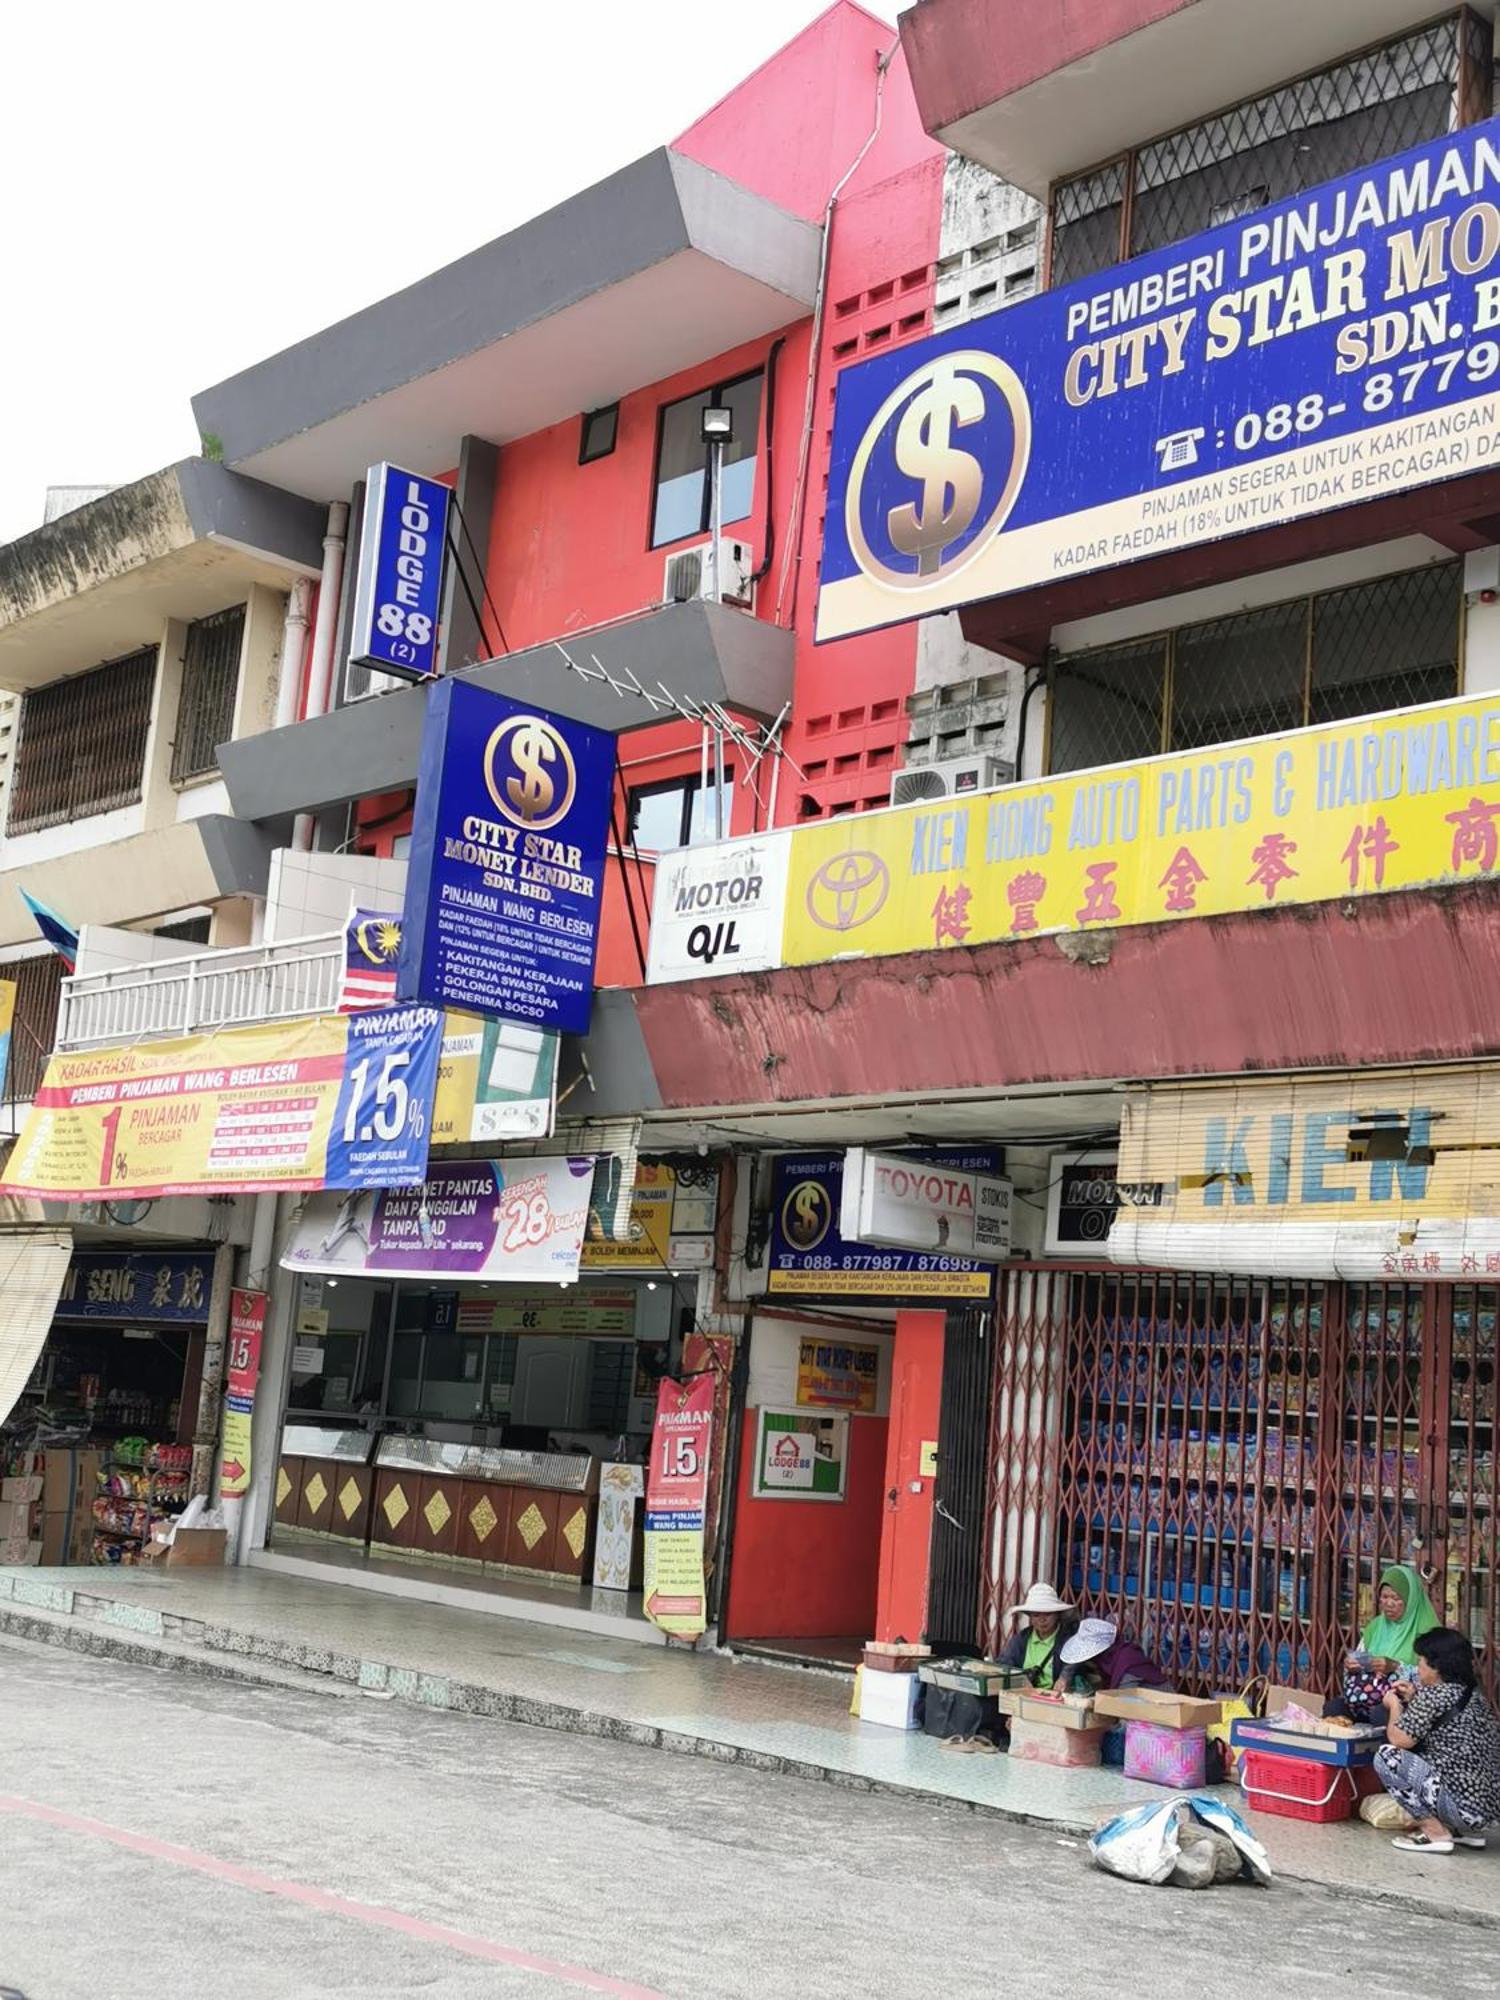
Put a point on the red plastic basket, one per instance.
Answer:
(1294, 1789)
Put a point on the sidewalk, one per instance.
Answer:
(781, 1719)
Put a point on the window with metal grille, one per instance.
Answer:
(38, 983)
(1314, 129)
(81, 746)
(1389, 643)
(210, 682)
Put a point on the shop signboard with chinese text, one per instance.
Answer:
(398, 589)
(1405, 800)
(911, 1204)
(1373, 1174)
(164, 1288)
(1337, 348)
(519, 1221)
(675, 1592)
(834, 1374)
(335, 1100)
(505, 879)
(247, 1328)
(810, 1257)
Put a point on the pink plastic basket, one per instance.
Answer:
(1160, 1755)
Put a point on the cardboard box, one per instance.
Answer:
(196, 1547)
(1063, 1711)
(68, 1539)
(1174, 1711)
(15, 1520)
(890, 1699)
(28, 1488)
(70, 1477)
(1278, 1698)
(1050, 1743)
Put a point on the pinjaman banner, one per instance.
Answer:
(332, 1100)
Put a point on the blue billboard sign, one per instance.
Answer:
(145, 1288)
(398, 592)
(506, 874)
(1338, 348)
(810, 1259)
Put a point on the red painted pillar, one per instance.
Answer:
(906, 1522)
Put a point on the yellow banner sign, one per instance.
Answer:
(1391, 1173)
(1398, 801)
(838, 1375)
(332, 1100)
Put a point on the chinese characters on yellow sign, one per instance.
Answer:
(1399, 801)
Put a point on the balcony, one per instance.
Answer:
(1059, 85)
(701, 652)
(195, 994)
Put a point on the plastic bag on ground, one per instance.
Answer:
(1146, 1844)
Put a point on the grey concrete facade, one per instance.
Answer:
(648, 213)
(702, 652)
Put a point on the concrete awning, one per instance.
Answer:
(661, 266)
(144, 875)
(701, 652)
(1048, 90)
(184, 542)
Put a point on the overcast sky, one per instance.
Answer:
(190, 187)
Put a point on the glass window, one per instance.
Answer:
(597, 434)
(679, 813)
(1389, 643)
(681, 506)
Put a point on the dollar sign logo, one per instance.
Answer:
(531, 790)
(806, 1220)
(951, 479)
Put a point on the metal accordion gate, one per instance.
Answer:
(1224, 1465)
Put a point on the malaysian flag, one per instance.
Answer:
(372, 939)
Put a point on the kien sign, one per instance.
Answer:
(906, 1203)
(506, 875)
(1340, 347)
(399, 588)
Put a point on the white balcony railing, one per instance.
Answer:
(210, 989)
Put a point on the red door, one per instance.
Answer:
(906, 1526)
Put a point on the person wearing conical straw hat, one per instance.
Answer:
(1033, 1646)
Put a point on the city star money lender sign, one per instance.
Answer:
(506, 874)
(1338, 348)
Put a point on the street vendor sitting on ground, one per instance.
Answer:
(1096, 1657)
(1441, 1757)
(1387, 1649)
(1033, 1646)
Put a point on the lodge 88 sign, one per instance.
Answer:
(398, 593)
(1340, 347)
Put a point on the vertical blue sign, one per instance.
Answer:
(397, 595)
(506, 873)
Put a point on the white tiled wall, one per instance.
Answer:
(311, 894)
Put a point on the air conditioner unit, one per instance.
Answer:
(687, 573)
(954, 778)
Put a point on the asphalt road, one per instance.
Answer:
(164, 1838)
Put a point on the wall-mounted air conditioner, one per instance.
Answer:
(956, 777)
(687, 573)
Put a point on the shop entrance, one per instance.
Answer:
(811, 1490)
(1226, 1464)
(496, 1430)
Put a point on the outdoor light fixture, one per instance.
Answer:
(718, 423)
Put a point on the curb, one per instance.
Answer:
(140, 1640)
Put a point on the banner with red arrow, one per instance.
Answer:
(676, 1503)
(247, 1328)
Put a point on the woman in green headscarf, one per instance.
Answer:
(1388, 1644)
